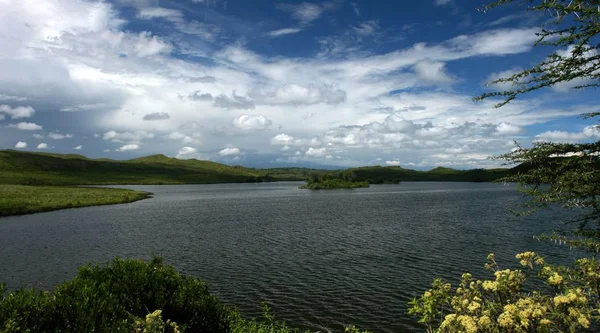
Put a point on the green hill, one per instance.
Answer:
(54, 169)
(29, 168)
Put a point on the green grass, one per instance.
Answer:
(20, 199)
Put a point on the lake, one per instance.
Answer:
(321, 259)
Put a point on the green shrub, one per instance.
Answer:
(128, 296)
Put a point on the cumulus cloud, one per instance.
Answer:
(21, 145)
(392, 163)
(26, 126)
(186, 152)
(251, 122)
(78, 147)
(507, 129)
(18, 112)
(230, 152)
(137, 136)
(316, 152)
(128, 147)
(234, 102)
(433, 72)
(157, 116)
(42, 146)
(38, 136)
(59, 136)
(146, 45)
(294, 94)
(588, 133)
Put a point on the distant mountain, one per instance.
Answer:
(18, 167)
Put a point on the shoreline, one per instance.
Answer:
(18, 200)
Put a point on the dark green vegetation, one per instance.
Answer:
(55, 169)
(331, 184)
(334, 180)
(117, 297)
(20, 199)
(27, 168)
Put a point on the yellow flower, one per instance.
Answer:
(485, 321)
(555, 279)
(583, 321)
(505, 320)
(545, 322)
(474, 306)
(490, 285)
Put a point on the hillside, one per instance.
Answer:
(17, 167)
(54, 169)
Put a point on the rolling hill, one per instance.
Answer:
(29, 168)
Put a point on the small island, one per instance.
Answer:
(330, 181)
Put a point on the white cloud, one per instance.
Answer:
(433, 72)
(128, 147)
(366, 28)
(137, 136)
(26, 126)
(59, 136)
(285, 31)
(442, 2)
(295, 94)
(83, 107)
(230, 152)
(588, 133)
(186, 152)
(392, 163)
(316, 152)
(78, 147)
(21, 145)
(42, 146)
(507, 129)
(251, 122)
(18, 112)
(38, 136)
(304, 12)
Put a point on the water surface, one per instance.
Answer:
(321, 259)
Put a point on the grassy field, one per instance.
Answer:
(19, 199)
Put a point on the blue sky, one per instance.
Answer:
(273, 83)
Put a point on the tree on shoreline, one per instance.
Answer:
(568, 297)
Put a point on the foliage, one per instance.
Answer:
(566, 299)
(334, 180)
(19, 199)
(127, 296)
(574, 30)
(559, 298)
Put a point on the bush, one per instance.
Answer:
(119, 297)
(565, 299)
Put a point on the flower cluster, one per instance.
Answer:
(501, 304)
(154, 323)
